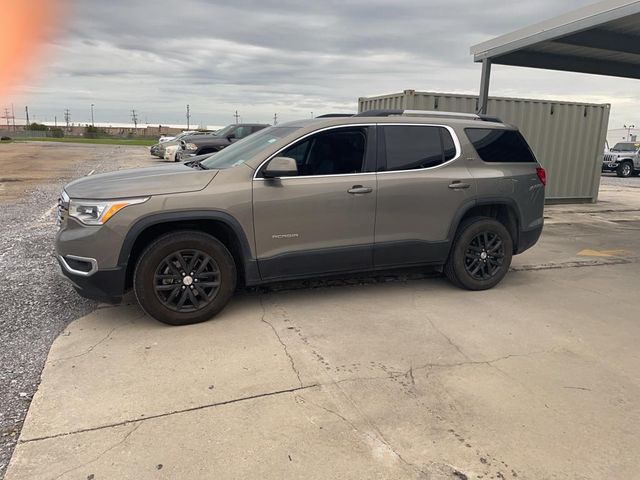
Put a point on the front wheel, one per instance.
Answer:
(184, 277)
(625, 169)
(481, 254)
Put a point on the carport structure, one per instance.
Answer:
(601, 39)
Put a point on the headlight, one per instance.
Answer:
(96, 212)
(190, 146)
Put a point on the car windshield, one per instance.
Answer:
(626, 147)
(225, 131)
(244, 149)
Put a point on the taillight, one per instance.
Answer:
(542, 175)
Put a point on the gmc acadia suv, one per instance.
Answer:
(327, 196)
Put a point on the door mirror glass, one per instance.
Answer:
(281, 167)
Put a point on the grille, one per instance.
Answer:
(63, 207)
(609, 158)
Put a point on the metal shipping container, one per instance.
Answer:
(568, 138)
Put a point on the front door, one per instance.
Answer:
(322, 220)
(422, 185)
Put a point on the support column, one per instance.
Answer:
(484, 86)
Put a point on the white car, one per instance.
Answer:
(170, 152)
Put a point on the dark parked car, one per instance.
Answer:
(199, 145)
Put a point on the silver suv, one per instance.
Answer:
(317, 197)
(623, 158)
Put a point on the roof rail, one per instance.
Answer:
(426, 113)
(335, 115)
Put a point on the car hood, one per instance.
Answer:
(141, 182)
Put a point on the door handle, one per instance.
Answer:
(356, 189)
(458, 185)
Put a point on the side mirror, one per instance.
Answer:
(231, 136)
(281, 167)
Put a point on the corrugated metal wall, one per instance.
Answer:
(567, 138)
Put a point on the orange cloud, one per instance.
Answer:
(25, 26)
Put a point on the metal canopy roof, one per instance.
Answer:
(603, 39)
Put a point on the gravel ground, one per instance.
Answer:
(36, 304)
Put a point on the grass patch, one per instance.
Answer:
(100, 141)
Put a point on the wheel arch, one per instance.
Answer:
(220, 225)
(503, 209)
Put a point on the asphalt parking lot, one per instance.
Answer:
(392, 376)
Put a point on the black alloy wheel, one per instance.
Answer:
(484, 255)
(481, 254)
(184, 277)
(187, 280)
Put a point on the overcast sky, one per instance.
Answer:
(292, 57)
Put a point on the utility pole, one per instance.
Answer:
(134, 117)
(237, 116)
(55, 121)
(92, 124)
(629, 128)
(311, 114)
(13, 117)
(275, 118)
(188, 116)
(67, 117)
(26, 109)
(7, 115)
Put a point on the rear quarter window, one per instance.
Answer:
(500, 146)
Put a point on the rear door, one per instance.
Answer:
(422, 184)
(322, 220)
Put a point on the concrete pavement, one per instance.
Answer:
(410, 378)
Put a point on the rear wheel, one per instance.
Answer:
(481, 254)
(625, 169)
(184, 277)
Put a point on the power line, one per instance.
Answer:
(67, 117)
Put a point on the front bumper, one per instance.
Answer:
(102, 285)
(184, 155)
(610, 166)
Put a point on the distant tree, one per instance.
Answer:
(56, 132)
(38, 127)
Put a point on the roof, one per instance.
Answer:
(602, 39)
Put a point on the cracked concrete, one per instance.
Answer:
(412, 379)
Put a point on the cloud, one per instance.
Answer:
(286, 56)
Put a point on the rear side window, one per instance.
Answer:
(500, 146)
(410, 147)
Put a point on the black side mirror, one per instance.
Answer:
(281, 167)
(231, 136)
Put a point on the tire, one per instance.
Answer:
(625, 169)
(468, 254)
(169, 293)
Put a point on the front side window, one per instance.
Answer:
(334, 152)
(410, 147)
(500, 146)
